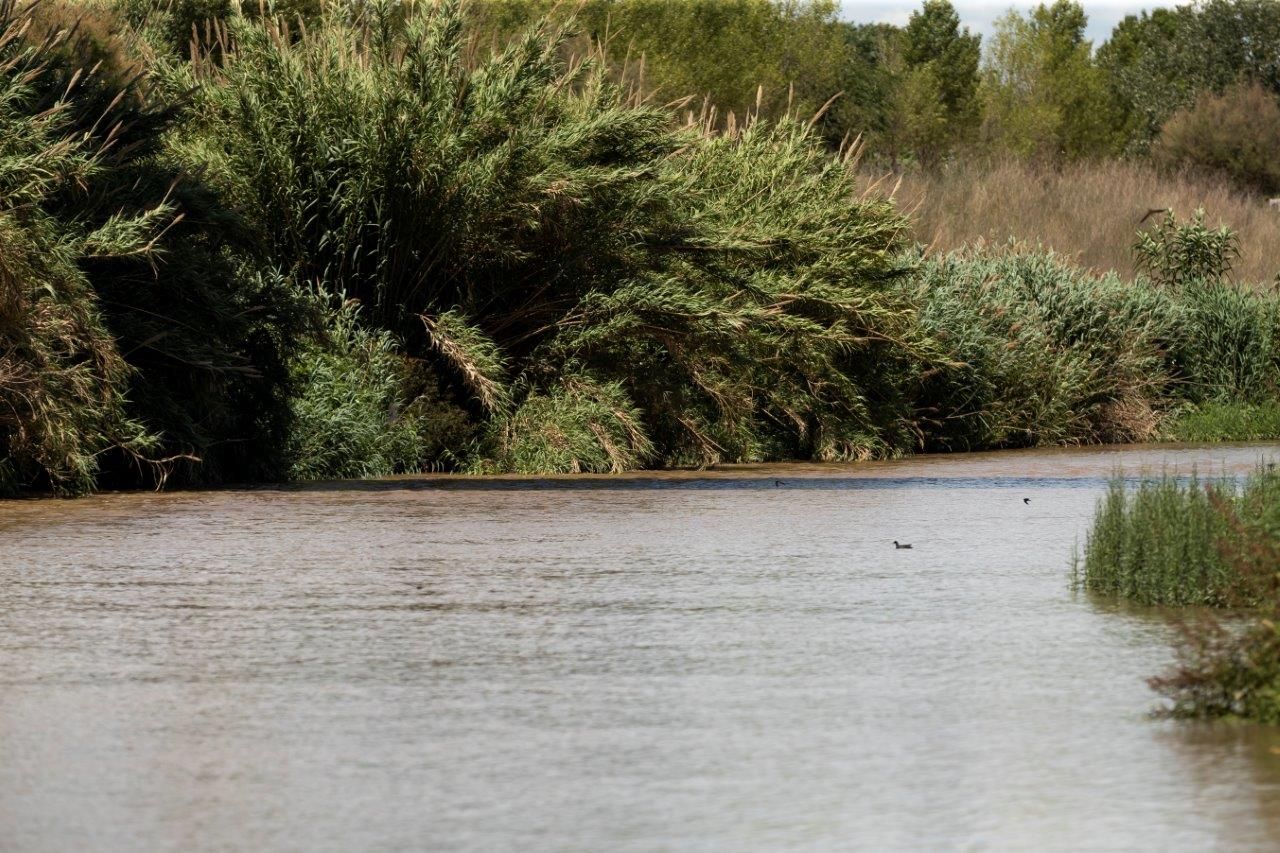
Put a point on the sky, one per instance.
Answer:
(978, 14)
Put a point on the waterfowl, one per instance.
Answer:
(900, 545)
(1026, 500)
(777, 483)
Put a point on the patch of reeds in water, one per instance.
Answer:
(1158, 543)
(1191, 542)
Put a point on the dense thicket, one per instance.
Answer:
(354, 240)
(134, 345)
(535, 235)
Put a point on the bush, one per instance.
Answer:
(1177, 253)
(1235, 133)
(1037, 351)
(362, 409)
(736, 287)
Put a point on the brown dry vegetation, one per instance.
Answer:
(1087, 211)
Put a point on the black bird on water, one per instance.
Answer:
(777, 483)
(1026, 500)
(900, 545)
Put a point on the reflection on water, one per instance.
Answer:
(662, 662)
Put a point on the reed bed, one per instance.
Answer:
(1214, 544)
(1159, 543)
(1089, 212)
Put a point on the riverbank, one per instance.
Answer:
(525, 267)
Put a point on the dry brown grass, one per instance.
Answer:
(1089, 211)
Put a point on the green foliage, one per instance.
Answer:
(941, 60)
(1177, 253)
(177, 347)
(1159, 62)
(1158, 544)
(1226, 670)
(580, 426)
(1037, 351)
(1142, 92)
(1045, 96)
(1214, 421)
(63, 379)
(743, 56)
(358, 413)
(1173, 542)
(1235, 134)
(1229, 349)
(733, 286)
(176, 27)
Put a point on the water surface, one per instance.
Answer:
(736, 659)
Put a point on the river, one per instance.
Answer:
(737, 659)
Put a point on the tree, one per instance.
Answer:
(1044, 94)
(1159, 63)
(933, 40)
(1236, 134)
(1143, 95)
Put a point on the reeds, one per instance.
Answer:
(569, 261)
(1089, 212)
(1213, 544)
(1160, 543)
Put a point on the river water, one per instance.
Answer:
(735, 660)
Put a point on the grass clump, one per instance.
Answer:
(1159, 544)
(1217, 421)
(1213, 544)
(362, 409)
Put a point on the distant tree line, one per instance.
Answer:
(1195, 86)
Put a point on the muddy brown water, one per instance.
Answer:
(734, 660)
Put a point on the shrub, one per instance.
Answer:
(1037, 351)
(362, 409)
(1176, 253)
(1234, 133)
(527, 229)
